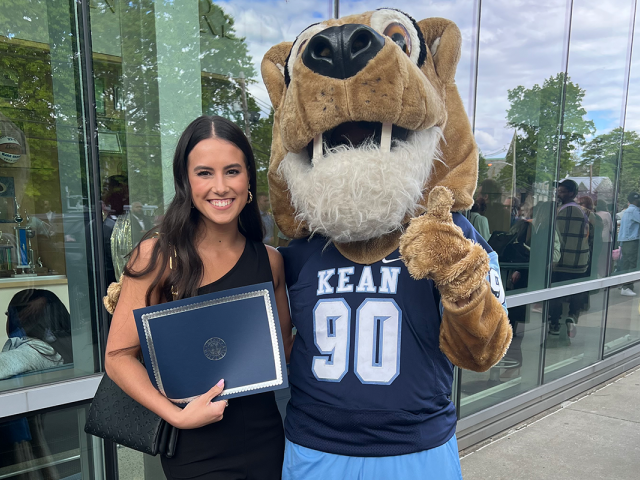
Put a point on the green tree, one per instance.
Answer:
(223, 58)
(534, 114)
(483, 168)
(601, 156)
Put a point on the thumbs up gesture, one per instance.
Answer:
(434, 247)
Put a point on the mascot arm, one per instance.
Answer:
(477, 335)
(475, 331)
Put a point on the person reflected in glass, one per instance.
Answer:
(497, 214)
(629, 239)
(515, 207)
(595, 229)
(477, 218)
(572, 225)
(140, 223)
(607, 229)
(267, 218)
(39, 330)
(115, 195)
(213, 233)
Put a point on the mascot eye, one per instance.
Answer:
(399, 34)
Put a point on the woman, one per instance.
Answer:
(213, 232)
(39, 331)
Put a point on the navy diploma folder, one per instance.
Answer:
(190, 344)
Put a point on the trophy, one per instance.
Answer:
(6, 267)
(23, 246)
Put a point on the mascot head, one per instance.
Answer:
(367, 121)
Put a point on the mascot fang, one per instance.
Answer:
(372, 152)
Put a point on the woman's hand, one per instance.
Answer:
(202, 411)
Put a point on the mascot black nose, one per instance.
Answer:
(341, 52)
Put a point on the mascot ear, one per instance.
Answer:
(273, 67)
(444, 41)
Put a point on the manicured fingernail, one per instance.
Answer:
(220, 383)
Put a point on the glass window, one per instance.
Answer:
(516, 373)
(573, 333)
(49, 445)
(629, 176)
(593, 127)
(518, 116)
(46, 276)
(158, 66)
(623, 318)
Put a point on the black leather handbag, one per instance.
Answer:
(116, 416)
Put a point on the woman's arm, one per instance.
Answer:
(123, 347)
(282, 302)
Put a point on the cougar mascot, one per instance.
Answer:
(372, 152)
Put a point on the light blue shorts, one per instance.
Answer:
(440, 463)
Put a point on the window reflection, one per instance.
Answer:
(574, 329)
(39, 330)
(516, 373)
(46, 446)
(592, 165)
(629, 181)
(46, 216)
(519, 151)
(623, 320)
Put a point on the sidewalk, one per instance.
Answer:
(593, 436)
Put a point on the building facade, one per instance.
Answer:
(93, 97)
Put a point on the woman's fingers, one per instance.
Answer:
(220, 406)
(215, 390)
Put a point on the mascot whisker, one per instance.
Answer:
(372, 160)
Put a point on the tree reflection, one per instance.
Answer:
(535, 115)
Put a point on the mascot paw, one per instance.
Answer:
(113, 295)
(434, 247)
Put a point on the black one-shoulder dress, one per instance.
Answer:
(248, 443)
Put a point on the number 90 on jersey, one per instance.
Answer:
(377, 340)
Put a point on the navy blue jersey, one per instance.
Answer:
(367, 375)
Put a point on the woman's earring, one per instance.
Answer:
(250, 197)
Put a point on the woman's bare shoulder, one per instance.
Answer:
(275, 258)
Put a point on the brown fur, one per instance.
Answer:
(113, 295)
(389, 89)
(477, 335)
(475, 332)
(434, 247)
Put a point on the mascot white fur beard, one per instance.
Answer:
(357, 193)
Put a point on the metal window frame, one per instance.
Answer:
(89, 385)
(566, 290)
(32, 399)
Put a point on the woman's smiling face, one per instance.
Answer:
(219, 180)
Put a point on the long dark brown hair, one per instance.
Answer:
(179, 226)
